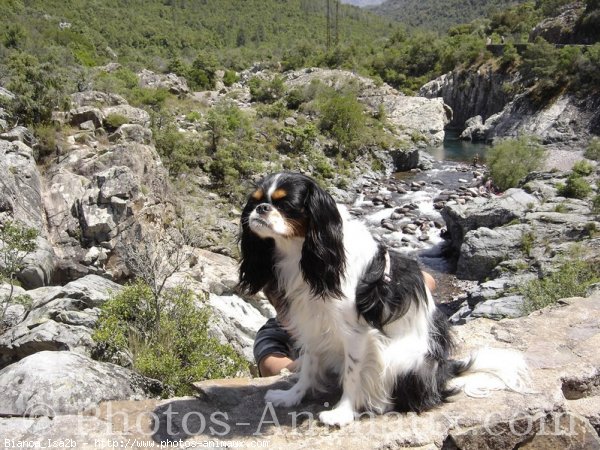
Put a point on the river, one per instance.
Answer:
(413, 196)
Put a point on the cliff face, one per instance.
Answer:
(484, 108)
(470, 93)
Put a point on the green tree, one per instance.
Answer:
(38, 88)
(226, 120)
(16, 243)
(343, 118)
(201, 76)
(511, 160)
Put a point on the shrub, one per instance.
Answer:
(168, 340)
(593, 150)
(583, 168)
(512, 159)
(342, 117)
(16, 242)
(570, 280)
(266, 91)
(596, 204)
(193, 116)
(527, 241)
(575, 187)
(114, 121)
(229, 78)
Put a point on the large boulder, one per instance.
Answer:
(490, 213)
(21, 201)
(55, 383)
(559, 343)
(61, 318)
(175, 84)
(96, 98)
(130, 132)
(132, 114)
(484, 248)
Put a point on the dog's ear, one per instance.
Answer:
(323, 256)
(256, 265)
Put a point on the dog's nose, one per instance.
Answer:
(264, 208)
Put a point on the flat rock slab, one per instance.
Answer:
(561, 344)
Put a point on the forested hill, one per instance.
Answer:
(439, 15)
(138, 30)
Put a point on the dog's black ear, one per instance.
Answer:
(257, 257)
(323, 256)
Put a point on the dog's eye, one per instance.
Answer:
(283, 205)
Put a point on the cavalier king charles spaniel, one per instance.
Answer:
(354, 309)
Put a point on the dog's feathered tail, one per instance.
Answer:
(491, 369)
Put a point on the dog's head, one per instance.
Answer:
(285, 207)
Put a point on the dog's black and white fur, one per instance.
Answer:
(354, 309)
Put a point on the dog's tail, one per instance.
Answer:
(491, 369)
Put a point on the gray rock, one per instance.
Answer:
(470, 93)
(405, 160)
(236, 323)
(61, 318)
(83, 114)
(481, 212)
(6, 94)
(93, 290)
(21, 201)
(133, 115)
(28, 338)
(565, 120)
(14, 314)
(175, 84)
(96, 98)
(499, 308)
(19, 134)
(559, 343)
(116, 182)
(88, 126)
(132, 133)
(56, 383)
(484, 248)
(474, 129)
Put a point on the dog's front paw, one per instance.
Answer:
(280, 397)
(337, 416)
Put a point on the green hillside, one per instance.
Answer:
(150, 32)
(439, 15)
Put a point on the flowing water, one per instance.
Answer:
(452, 173)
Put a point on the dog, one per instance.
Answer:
(354, 309)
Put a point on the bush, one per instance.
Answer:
(342, 117)
(593, 150)
(167, 339)
(570, 280)
(17, 242)
(596, 204)
(266, 91)
(229, 78)
(575, 187)
(512, 159)
(583, 168)
(178, 152)
(114, 121)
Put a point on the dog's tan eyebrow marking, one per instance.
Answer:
(258, 194)
(278, 194)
